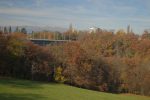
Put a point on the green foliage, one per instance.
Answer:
(15, 46)
(24, 60)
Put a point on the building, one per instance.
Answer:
(92, 30)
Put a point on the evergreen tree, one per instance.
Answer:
(10, 30)
(23, 30)
(1, 31)
(17, 29)
(5, 30)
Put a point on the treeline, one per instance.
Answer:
(103, 61)
(68, 35)
(108, 62)
(8, 30)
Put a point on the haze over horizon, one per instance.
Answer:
(108, 14)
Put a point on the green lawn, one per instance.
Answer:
(11, 89)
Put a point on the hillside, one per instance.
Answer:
(11, 89)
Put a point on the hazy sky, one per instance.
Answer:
(108, 14)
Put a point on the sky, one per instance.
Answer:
(83, 14)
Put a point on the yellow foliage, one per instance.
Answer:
(58, 75)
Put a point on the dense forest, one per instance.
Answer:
(102, 61)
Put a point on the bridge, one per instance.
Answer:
(44, 42)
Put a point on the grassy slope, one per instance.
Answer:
(27, 90)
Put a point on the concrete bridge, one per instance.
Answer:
(44, 42)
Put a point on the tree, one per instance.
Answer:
(58, 75)
(5, 30)
(11, 55)
(10, 30)
(145, 35)
(23, 30)
(41, 63)
(17, 29)
(120, 32)
(105, 62)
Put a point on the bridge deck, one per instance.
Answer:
(44, 42)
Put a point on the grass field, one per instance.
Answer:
(12, 89)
